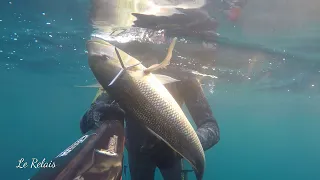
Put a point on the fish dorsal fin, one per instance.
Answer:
(166, 60)
(165, 79)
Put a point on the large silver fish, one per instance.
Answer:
(143, 96)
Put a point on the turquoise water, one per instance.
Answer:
(268, 113)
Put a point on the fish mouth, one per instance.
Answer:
(102, 61)
(98, 51)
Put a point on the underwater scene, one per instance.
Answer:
(160, 89)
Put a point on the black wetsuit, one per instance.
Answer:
(145, 152)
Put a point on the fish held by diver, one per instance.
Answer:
(144, 98)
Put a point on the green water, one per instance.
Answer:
(267, 132)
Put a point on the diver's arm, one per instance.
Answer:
(208, 130)
(103, 108)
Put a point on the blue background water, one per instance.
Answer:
(269, 123)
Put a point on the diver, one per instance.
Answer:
(145, 151)
(96, 156)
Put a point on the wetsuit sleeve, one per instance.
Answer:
(103, 108)
(208, 130)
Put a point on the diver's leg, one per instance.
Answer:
(173, 172)
(140, 165)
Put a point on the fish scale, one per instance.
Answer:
(148, 102)
(151, 103)
(165, 113)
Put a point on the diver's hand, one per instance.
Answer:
(110, 111)
(100, 111)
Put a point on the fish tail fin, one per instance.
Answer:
(199, 169)
(199, 175)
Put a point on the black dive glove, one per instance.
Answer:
(98, 112)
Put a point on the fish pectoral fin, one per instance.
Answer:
(166, 60)
(91, 86)
(165, 79)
